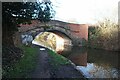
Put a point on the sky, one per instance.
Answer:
(85, 11)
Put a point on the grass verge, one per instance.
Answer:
(57, 60)
(26, 64)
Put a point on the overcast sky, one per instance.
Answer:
(86, 11)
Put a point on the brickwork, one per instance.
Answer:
(76, 32)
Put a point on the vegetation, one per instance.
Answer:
(57, 60)
(23, 66)
(104, 36)
(47, 39)
(15, 13)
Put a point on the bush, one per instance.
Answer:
(104, 36)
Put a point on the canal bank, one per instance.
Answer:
(93, 63)
(49, 64)
(39, 62)
(62, 67)
(85, 64)
(53, 65)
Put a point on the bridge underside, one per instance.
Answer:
(75, 40)
(59, 33)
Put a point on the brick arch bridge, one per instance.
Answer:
(76, 32)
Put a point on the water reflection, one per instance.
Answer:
(94, 63)
(79, 57)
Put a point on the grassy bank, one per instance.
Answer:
(104, 36)
(61, 67)
(24, 65)
(57, 60)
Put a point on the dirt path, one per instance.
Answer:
(45, 70)
(42, 69)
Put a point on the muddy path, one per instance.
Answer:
(42, 69)
(45, 70)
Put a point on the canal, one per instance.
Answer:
(92, 63)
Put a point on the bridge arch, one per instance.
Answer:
(76, 32)
(60, 33)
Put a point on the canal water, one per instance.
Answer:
(94, 63)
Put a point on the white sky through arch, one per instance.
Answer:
(86, 11)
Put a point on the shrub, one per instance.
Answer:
(104, 35)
